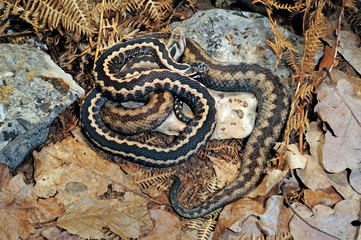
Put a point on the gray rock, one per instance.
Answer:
(248, 31)
(34, 90)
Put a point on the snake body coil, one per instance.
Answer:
(113, 85)
(273, 102)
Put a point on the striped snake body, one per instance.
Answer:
(273, 104)
(114, 85)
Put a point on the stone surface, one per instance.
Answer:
(235, 116)
(34, 90)
(248, 33)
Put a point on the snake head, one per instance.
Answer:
(196, 69)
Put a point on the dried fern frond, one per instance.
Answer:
(227, 150)
(212, 185)
(158, 10)
(194, 223)
(293, 62)
(146, 179)
(204, 225)
(112, 32)
(313, 44)
(72, 15)
(280, 44)
(289, 7)
(206, 229)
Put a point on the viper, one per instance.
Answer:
(178, 78)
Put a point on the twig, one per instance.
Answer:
(298, 215)
(342, 98)
(338, 33)
(100, 31)
(17, 33)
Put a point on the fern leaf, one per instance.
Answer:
(70, 14)
(313, 43)
(195, 223)
(158, 11)
(291, 8)
(147, 179)
(207, 227)
(212, 185)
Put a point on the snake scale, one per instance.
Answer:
(111, 83)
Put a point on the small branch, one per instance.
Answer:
(100, 31)
(338, 33)
(298, 215)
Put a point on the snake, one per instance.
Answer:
(157, 107)
(190, 82)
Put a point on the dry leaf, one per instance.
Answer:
(269, 219)
(328, 197)
(349, 48)
(336, 221)
(355, 180)
(166, 226)
(55, 233)
(273, 177)
(72, 170)
(294, 158)
(274, 221)
(327, 58)
(341, 184)
(88, 217)
(315, 138)
(342, 148)
(226, 172)
(19, 207)
(249, 228)
(314, 176)
(235, 213)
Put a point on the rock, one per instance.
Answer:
(235, 116)
(33, 92)
(248, 33)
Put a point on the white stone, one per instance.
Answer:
(235, 116)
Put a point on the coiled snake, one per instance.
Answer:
(111, 83)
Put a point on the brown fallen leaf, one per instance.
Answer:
(348, 48)
(328, 197)
(55, 233)
(89, 217)
(314, 176)
(342, 148)
(273, 177)
(72, 170)
(237, 212)
(166, 226)
(19, 207)
(336, 221)
(294, 158)
(327, 58)
(355, 180)
(272, 221)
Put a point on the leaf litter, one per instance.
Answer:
(80, 191)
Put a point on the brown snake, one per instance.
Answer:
(273, 104)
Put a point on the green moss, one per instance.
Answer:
(59, 84)
(4, 92)
(30, 74)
